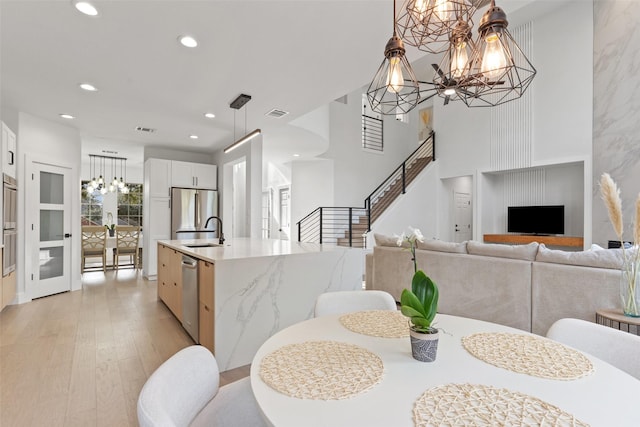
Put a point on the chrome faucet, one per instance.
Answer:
(220, 233)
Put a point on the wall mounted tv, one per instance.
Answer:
(535, 219)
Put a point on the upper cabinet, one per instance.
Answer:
(8, 151)
(158, 175)
(194, 175)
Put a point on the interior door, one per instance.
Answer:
(462, 216)
(51, 229)
(284, 213)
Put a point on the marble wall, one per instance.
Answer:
(616, 101)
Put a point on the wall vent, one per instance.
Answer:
(276, 113)
(144, 129)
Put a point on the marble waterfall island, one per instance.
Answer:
(263, 286)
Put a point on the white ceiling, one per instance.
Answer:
(291, 55)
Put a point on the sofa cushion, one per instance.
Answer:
(382, 240)
(605, 258)
(442, 246)
(526, 252)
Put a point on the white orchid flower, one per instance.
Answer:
(400, 239)
(418, 235)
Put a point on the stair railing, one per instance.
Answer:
(347, 226)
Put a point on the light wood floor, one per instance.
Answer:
(80, 358)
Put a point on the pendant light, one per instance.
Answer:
(500, 72)
(451, 78)
(94, 182)
(427, 24)
(100, 179)
(125, 188)
(394, 88)
(121, 182)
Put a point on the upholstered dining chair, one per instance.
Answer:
(618, 348)
(127, 238)
(349, 301)
(94, 244)
(184, 391)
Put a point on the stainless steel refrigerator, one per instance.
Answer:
(190, 210)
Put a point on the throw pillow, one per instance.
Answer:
(442, 246)
(605, 258)
(526, 252)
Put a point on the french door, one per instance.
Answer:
(49, 223)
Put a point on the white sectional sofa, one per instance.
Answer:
(527, 287)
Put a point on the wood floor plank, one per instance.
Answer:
(81, 358)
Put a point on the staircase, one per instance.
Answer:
(347, 226)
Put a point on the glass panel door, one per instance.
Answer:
(52, 228)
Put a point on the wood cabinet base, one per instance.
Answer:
(523, 239)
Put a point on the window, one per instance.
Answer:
(91, 206)
(372, 137)
(130, 206)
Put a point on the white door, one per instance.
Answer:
(284, 213)
(50, 228)
(462, 216)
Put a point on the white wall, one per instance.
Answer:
(358, 172)
(56, 144)
(311, 188)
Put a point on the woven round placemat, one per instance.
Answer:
(377, 323)
(480, 405)
(528, 354)
(321, 370)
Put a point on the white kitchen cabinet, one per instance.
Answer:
(193, 175)
(158, 173)
(156, 212)
(8, 151)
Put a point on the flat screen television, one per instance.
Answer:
(535, 219)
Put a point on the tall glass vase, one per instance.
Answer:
(630, 288)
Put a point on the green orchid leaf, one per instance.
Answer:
(419, 285)
(421, 322)
(409, 312)
(432, 303)
(409, 300)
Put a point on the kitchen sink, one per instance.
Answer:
(202, 245)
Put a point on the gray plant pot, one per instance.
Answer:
(424, 345)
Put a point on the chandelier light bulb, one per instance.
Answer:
(395, 80)
(121, 183)
(94, 183)
(103, 190)
(459, 60)
(125, 190)
(494, 59)
(443, 9)
(419, 9)
(112, 188)
(100, 180)
(90, 188)
(115, 181)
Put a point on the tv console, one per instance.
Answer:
(521, 239)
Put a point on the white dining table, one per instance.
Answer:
(606, 397)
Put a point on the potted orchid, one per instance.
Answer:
(420, 305)
(110, 224)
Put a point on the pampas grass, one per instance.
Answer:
(611, 196)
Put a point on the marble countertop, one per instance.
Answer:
(241, 248)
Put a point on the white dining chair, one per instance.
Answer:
(349, 301)
(184, 391)
(618, 348)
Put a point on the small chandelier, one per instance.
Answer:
(427, 24)
(499, 71)
(100, 185)
(394, 88)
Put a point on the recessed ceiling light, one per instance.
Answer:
(209, 115)
(193, 136)
(67, 116)
(86, 8)
(187, 41)
(88, 87)
(296, 155)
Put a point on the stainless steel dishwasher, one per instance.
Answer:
(190, 296)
